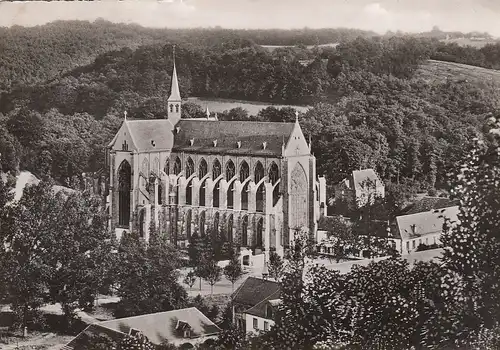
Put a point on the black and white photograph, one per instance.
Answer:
(250, 174)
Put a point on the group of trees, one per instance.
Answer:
(205, 252)
(55, 249)
(370, 109)
(446, 304)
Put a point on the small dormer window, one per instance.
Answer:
(238, 144)
(264, 145)
(177, 129)
(191, 142)
(153, 143)
(215, 143)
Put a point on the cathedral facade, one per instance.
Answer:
(252, 183)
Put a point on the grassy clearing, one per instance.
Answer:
(219, 105)
(439, 71)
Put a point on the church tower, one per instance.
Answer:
(174, 101)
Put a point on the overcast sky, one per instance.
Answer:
(376, 15)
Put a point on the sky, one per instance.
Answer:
(376, 15)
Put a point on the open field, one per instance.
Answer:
(469, 42)
(220, 105)
(274, 47)
(439, 71)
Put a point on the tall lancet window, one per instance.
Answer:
(298, 198)
(124, 187)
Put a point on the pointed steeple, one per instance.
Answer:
(175, 95)
(125, 115)
(296, 117)
(207, 112)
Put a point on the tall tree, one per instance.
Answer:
(233, 271)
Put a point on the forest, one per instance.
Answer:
(370, 108)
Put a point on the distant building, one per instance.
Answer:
(422, 228)
(359, 188)
(178, 327)
(254, 291)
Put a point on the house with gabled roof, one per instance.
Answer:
(252, 183)
(248, 298)
(424, 228)
(176, 327)
(360, 187)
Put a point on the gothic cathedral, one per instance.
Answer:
(254, 183)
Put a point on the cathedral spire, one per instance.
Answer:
(175, 95)
(207, 112)
(297, 117)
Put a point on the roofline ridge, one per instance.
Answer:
(154, 313)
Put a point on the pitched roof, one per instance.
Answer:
(254, 290)
(157, 327)
(252, 136)
(360, 176)
(428, 203)
(346, 267)
(175, 95)
(260, 309)
(145, 131)
(419, 224)
(162, 326)
(81, 341)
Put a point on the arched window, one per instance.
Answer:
(160, 193)
(260, 198)
(171, 108)
(189, 167)
(124, 187)
(188, 224)
(216, 194)
(244, 196)
(177, 166)
(244, 171)
(298, 198)
(202, 193)
(145, 168)
(189, 193)
(142, 218)
(216, 169)
(230, 173)
(260, 228)
(230, 170)
(273, 173)
(244, 231)
(230, 196)
(177, 108)
(166, 168)
(230, 229)
(156, 166)
(202, 169)
(216, 225)
(259, 172)
(202, 223)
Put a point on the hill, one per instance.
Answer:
(31, 55)
(441, 72)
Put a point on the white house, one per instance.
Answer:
(260, 318)
(422, 228)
